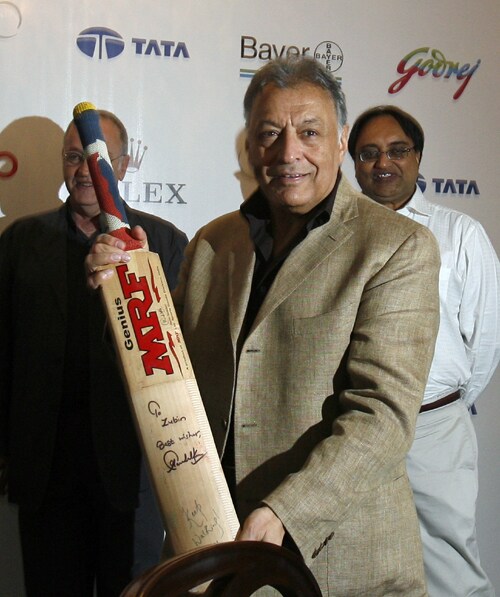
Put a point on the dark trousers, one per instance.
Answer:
(76, 539)
(68, 547)
(148, 527)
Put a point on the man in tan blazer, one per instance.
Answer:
(310, 316)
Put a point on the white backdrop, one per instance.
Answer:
(176, 72)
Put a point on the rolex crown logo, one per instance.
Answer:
(136, 155)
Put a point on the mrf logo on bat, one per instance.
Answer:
(141, 296)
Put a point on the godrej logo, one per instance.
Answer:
(424, 61)
(100, 42)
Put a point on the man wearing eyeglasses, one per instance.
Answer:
(66, 432)
(386, 145)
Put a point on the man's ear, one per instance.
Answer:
(248, 154)
(343, 140)
(124, 160)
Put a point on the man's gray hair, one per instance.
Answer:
(291, 72)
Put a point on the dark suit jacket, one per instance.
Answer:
(33, 321)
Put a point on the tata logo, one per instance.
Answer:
(458, 186)
(101, 40)
(451, 186)
(421, 183)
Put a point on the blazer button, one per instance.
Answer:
(224, 423)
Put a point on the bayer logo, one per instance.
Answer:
(330, 55)
(100, 42)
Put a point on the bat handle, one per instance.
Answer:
(86, 119)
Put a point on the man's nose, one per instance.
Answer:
(83, 168)
(290, 146)
(382, 160)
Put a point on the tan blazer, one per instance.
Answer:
(328, 384)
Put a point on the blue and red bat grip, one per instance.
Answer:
(86, 119)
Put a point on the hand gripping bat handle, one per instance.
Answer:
(86, 119)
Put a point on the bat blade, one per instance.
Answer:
(174, 432)
(170, 419)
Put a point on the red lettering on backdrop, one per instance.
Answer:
(419, 62)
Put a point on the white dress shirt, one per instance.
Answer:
(468, 342)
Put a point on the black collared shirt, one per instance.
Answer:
(256, 210)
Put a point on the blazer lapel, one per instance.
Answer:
(318, 246)
(240, 267)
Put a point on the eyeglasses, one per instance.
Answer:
(75, 158)
(372, 155)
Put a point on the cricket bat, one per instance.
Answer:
(165, 401)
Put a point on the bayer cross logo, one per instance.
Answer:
(100, 42)
(330, 55)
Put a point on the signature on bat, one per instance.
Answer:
(203, 526)
(173, 462)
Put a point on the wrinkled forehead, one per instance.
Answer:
(300, 103)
